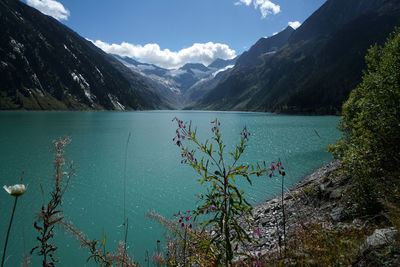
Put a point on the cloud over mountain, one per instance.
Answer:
(51, 8)
(152, 53)
(266, 7)
(294, 24)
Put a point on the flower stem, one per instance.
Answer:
(8, 231)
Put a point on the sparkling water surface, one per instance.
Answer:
(156, 180)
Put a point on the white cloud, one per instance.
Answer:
(246, 2)
(51, 8)
(266, 6)
(294, 24)
(152, 53)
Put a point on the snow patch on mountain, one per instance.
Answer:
(115, 102)
(199, 74)
(175, 73)
(85, 86)
(73, 55)
(143, 67)
(221, 70)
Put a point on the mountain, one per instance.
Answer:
(182, 86)
(141, 67)
(318, 66)
(193, 67)
(45, 65)
(151, 93)
(203, 86)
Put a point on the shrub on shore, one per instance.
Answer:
(370, 147)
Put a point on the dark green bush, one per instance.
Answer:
(370, 147)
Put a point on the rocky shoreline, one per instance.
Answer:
(267, 226)
(321, 197)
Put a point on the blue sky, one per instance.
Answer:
(170, 33)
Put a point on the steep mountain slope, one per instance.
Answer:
(264, 46)
(332, 16)
(318, 66)
(156, 96)
(45, 65)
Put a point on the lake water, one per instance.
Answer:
(156, 180)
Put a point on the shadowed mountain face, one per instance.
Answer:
(264, 46)
(45, 65)
(332, 16)
(317, 67)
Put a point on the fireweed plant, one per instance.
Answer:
(97, 249)
(187, 243)
(50, 214)
(224, 200)
(185, 222)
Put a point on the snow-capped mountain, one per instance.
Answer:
(181, 86)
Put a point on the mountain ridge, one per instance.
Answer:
(310, 70)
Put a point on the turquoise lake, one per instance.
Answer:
(156, 179)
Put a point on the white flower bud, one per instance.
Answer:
(15, 190)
